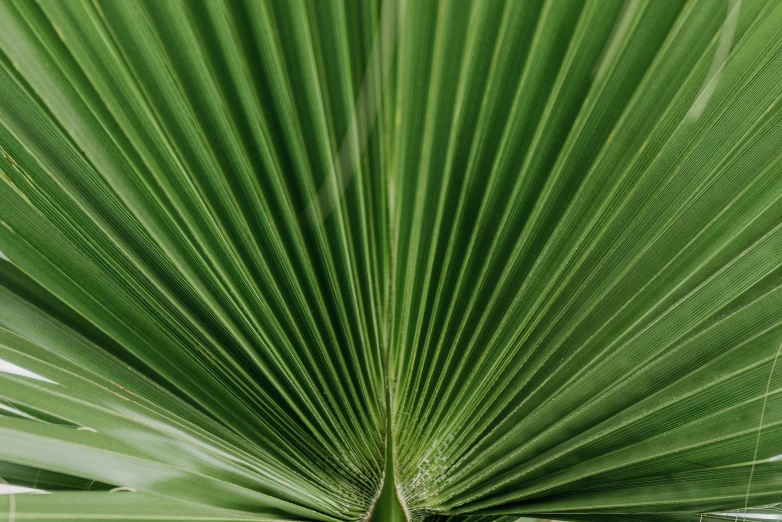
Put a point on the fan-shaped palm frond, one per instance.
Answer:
(340, 260)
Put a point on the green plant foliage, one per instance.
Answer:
(391, 260)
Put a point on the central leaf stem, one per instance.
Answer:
(387, 507)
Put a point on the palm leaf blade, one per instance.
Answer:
(389, 259)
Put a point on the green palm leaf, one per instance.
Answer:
(388, 260)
